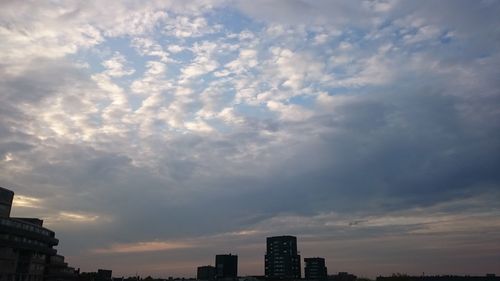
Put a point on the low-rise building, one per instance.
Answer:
(206, 272)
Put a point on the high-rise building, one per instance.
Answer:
(206, 272)
(282, 260)
(315, 269)
(226, 266)
(26, 248)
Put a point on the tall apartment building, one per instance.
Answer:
(282, 260)
(315, 269)
(226, 266)
(26, 248)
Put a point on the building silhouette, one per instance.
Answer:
(342, 276)
(100, 275)
(104, 275)
(226, 266)
(282, 260)
(315, 269)
(206, 272)
(6, 197)
(27, 248)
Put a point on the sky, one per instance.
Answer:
(153, 135)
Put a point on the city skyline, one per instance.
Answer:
(27, 253)
(153, 135)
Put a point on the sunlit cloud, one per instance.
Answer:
(77, 217)
(245, 232)
(63, 217)
(150, 246)
(8, 157)
(26, 202)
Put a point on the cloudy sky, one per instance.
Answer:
(153, 135)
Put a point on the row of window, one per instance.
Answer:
(34, 267)
(22, 239)
(24, 226)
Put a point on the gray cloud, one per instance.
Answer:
(397, 147)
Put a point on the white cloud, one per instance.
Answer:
(44, 39)
(153, 80)
(203, 63)
(175, 48)
(148, 47)
(199, 126)
(289, 112)
(229, 116)
(423, 33)
(183, 26)
(246, 60)
(200, 66)
(295, 69)
(132, 21)
(321, 38)
(116, 66)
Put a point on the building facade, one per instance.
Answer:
(27, 248)
(315, 269)
(282, 260)
(226, 266)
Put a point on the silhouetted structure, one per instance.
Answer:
(104, 275)
(226, 266)
(6, 197)
(315, 269)
(206, 272)
(58, 270)
(26, 248)
(399, 277)
(282, 260)
(343, 276)
(253, 278)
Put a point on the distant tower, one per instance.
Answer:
(226, 266)
(282, 260)
(315, 269)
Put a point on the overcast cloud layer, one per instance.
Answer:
(153, 135)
